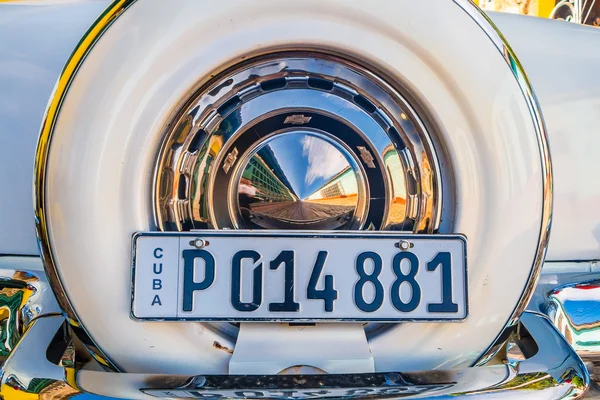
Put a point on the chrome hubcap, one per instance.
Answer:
(299, 179)
(297, 141)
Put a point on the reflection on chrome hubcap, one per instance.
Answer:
(299, 179)
(297, 141)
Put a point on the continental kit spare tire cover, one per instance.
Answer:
(143, 67)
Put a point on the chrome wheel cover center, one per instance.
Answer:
(299, 179)
(297, 141)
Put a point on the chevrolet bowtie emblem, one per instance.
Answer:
(297, 119)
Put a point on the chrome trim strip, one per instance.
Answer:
(506, 51)
(553, 371)
(110, 14)
(191, 191)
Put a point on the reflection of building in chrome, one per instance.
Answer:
(391, 159)
(335, 190)
(264, 180)
(200, 173)
(39, 389)
(342, 185)
(267, 198)
(397, 212)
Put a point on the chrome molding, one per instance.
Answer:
(206, 149)
(539, 364)
(506, 51)
(112, 12)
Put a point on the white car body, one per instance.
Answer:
(561, 62)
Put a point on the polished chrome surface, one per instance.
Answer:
(325, 119)
(562, 274)
(575, 311)
(299, 179)
(539, 365)
(104, 20)
(506, 51)
(29, 374)
(24, 296)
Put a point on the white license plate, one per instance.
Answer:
(302, 277)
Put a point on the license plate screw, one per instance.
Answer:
(404, 245)
(199, 243)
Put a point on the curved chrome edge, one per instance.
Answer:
(574, 310)
(110, 14)
(554, 371)
(28, 372)
(172, 212)
(24, 296)
(492, 31)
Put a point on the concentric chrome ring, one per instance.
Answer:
(201, 161)
(269, 190)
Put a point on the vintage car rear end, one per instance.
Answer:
(316, 199)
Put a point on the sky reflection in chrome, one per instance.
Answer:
(298, 180)
(307, 161)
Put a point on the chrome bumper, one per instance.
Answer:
(553, 371)
(536, 362)
(575, 310)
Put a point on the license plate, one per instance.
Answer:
(303, 394)
(302, 277)
(301, 387)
